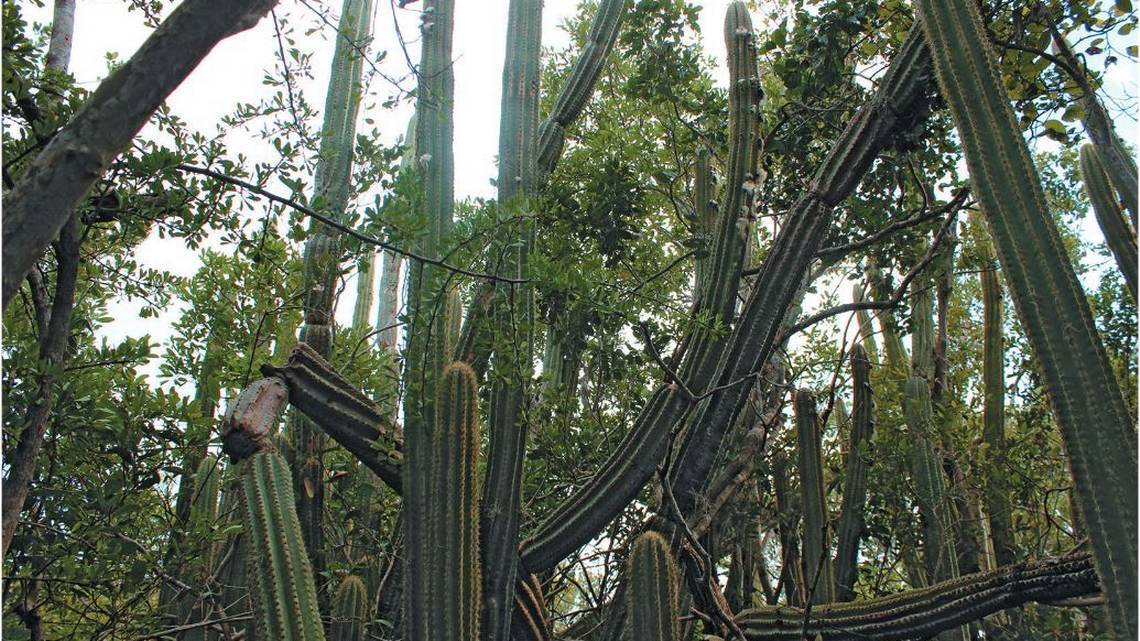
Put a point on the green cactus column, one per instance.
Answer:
(998, 508)
(349, 610)
(653, 586)
(1098, 432)
(514, 316)
(281, 577)
(451, 528)
(365, 294)
(426, 353)
(851, 522)
(322, 253)
(1109, 216)
(818, 578)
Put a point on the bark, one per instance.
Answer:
(44, 197)
(52, 349)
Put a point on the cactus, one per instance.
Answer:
(337, 407)
(732, 230)
(923, 613)
(281, 578)
(787, 515)
(322, 252)
(851, 524)
(349, 610)
(514, 310)
(580, 84)
(1120, 239)
(781, 274)
(705, 223)
(426, 354)
(1097, 430)
(583, 515)
(365, 281)
(929, 481)
(866, 327)
(817, 577)
(450, 529)
(653, 587)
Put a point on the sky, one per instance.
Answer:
(233, 73)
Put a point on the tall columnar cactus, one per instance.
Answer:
(653, 586)
(705, 209)
(851, 522)
(349, 610)
(426, 353)
(922, 323)
(866, 327)
(281, 578)
(1098, 432)
(1120, 238)
(930, 482)
(322, 251)
(998, 508)
(787, 513)
(733, 228)
(451, 527)
(817, 577)
(514, 315)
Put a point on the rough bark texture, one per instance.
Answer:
(46, 194)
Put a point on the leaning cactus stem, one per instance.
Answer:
(1117, 234)
(1098, 431)
(851, 522)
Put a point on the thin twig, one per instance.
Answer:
(364, 238)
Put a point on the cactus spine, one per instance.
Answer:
(513, 309)
(817, 576)
(1121, 240)
(426, 350)
(323, 249)
(349, 610)
(1098, 432)
(851, 524)
(652, 590)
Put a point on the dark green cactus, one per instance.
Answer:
(866, 326)
(365, 290)
(1120, 237)
(653, 586)
(926, 612)
(1098, 431)
(204, 508)
(851, 522)
(349, 610)
(787, 511)
(817, 576)
(705, 209)
(285, 597)
(997, 502)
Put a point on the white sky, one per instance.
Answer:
(233, 73)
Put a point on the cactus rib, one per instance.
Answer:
(349, 610)
(1097, 429)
